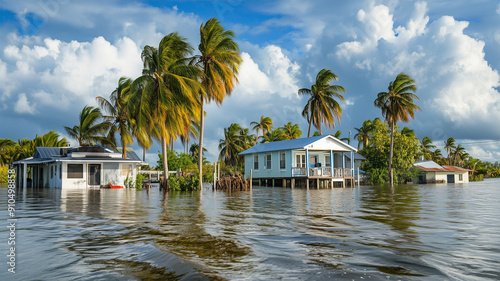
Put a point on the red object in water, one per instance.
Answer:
(115, 186)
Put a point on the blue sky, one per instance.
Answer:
(58, 55)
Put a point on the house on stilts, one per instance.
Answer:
(322, 161)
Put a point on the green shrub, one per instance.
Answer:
(138, 181)
(129, 182)
(184, 183)
(478, 177)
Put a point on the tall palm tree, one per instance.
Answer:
(426, 146)
(264, 125)
(364, 133)
(118, 116)
(397, 105)
(292, 131)
(219, 61)
(164, 99)
(436, 156)
(89, 129)
(321, 107)
(449, 146)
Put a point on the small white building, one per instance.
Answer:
(76, 167)
(431, 172)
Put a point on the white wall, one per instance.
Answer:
(74, 183)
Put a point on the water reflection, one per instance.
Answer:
(414, 232)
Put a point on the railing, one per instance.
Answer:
(299, 171)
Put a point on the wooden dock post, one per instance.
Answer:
(273, 183)
(317, 183)
(292, 183)
(283, 182)
(251, 179)
(307, 183)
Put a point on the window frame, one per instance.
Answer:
(282, 161)
(70, 173)
(269, 162)
(256, 163)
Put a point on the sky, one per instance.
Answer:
(56, 56)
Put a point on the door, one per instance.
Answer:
(94, 174)
(300, 160)
(451, 178)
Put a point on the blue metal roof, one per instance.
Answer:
(133, 156)
(282, 145)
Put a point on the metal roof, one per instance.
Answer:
(431, 166)
(133, 156)
(357, 156)
(286, 145)
(47, 152)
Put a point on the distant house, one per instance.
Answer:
(76, 167)
(315, 158)
(431, 172)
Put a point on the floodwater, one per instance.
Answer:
(416, 232)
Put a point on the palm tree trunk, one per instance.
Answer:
(124, 149)
(200, 151)
(164, 184)
(309, 131)
(391, 175)
(143, 154)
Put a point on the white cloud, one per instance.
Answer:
(23, 106)
(498, 10)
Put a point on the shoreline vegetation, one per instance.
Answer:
(166, 103)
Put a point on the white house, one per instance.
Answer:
(316, 158)
(431, 172)
(76, 167)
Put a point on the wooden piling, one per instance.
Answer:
(292, 183)
(251, 179)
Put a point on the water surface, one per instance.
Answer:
(416, 232)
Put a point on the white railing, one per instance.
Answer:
(298, 171)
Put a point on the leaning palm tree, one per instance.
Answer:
(164, 99)
(397, 105)
(321, 107)
(118, 116)
(338, 135)
(264, 125)
(89, 129)
(219, 61)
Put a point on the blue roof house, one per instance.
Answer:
(321, 157)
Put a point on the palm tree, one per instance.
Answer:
(338, 135)
(219, 61)
(232, 144)
(89, 130)
(397, 105)
(164, 99)
(426, 146)
(264, 125)
(460, 154)
(322, 107)
(407, 132)
(118, 113)
(364, 133)
(437, 156)
(292, 131)
(449, 146)
(194, 151)
(274, 135)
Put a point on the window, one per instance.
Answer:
(460, 177)
(328, 162)
(75, 171)
(282, 160)
(255, 161)
(268, 161)
(300, 160)
(126, 169)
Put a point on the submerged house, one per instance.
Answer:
(322, 159)
(431, 172)
(76, 167)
